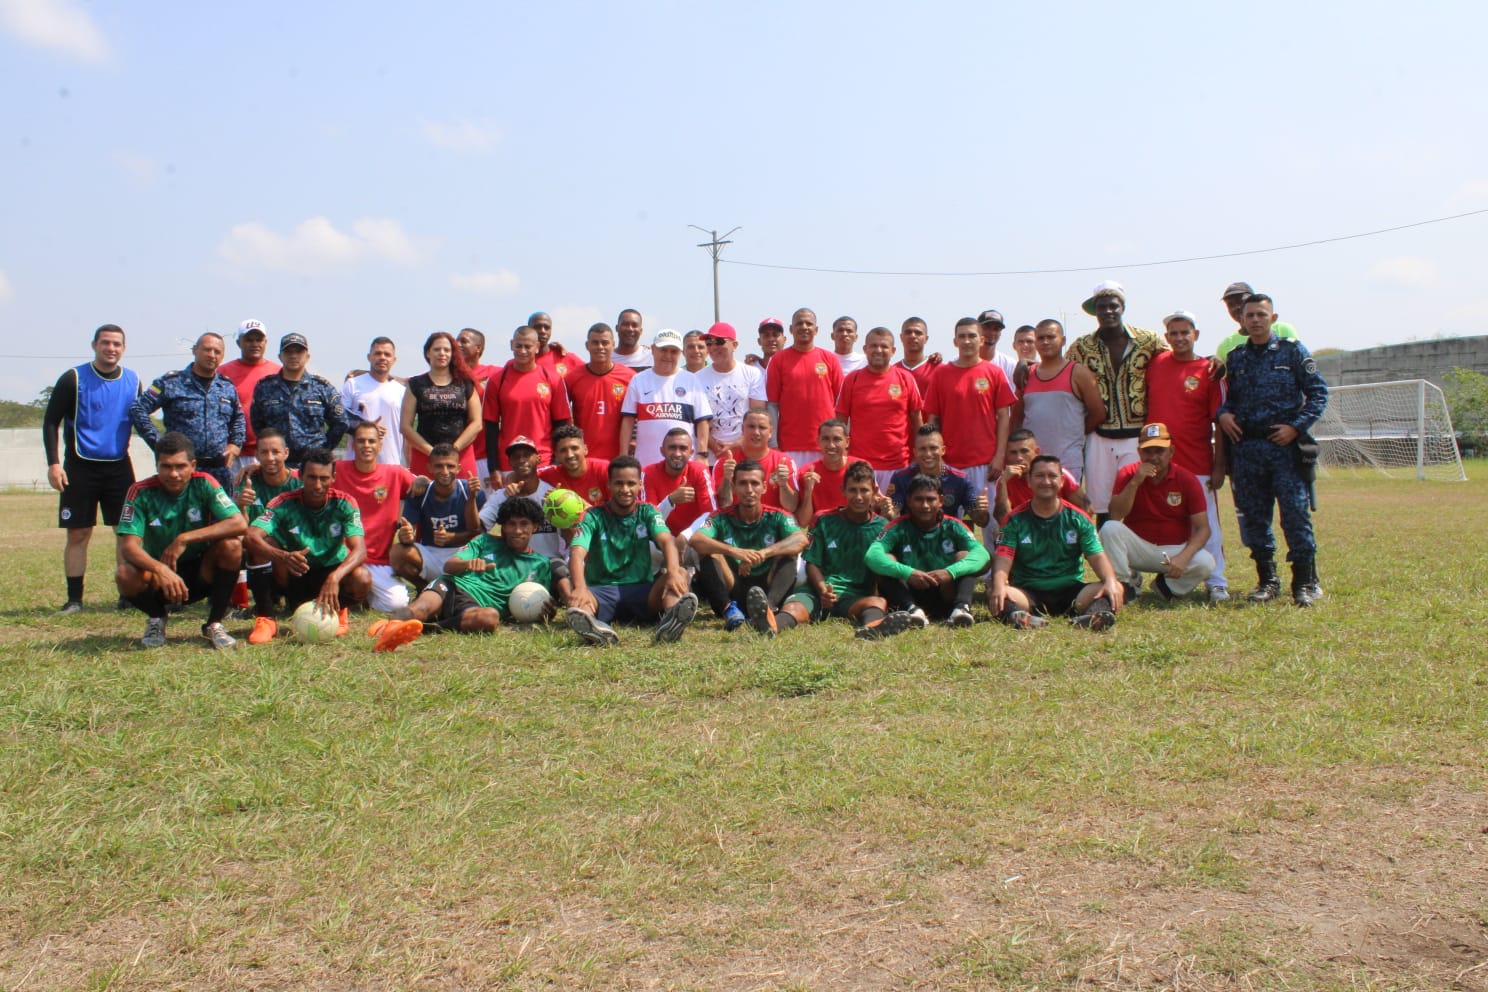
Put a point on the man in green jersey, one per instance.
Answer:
(180, 540)
(312, 538)
(610, 566)
(1038, 568)
(471, 596)
(927, 562)
(258, 485)
(748, 551)
(838, 581)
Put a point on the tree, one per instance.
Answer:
(1467, 399)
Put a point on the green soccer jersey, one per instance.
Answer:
(903, 548)
(157, 518)
(727, 527)
(264, 493)
(1047, 552)
(618, 546)
(508, 569)
(839, 547)
(321, 534)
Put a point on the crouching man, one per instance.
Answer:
(1159, 521)
(180, 540)
(471, 596)
(312, 538)
(1037, 571)
(927, 563)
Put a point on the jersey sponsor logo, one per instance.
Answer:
(1190, 383)
(1027, 539)
(895, 390)
(831, 545)
(983, 384)
(156, 523)
(666, 411)
(543, 389)
(1175, 499)
(821, 368)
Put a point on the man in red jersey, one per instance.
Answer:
(913, 334)
(801, 384)
(679, 486)
(378, 490)
(596, 392)
(881, 405)
(575, 469)
(782, 488)
(971, 401)
(1184, 392)
(524, 399)
(550, 353)
(473, 347)
(245, 373)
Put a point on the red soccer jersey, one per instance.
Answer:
(526, 404)
(1020, 493)
(1184, 397)
(878, 406)
(1161, 510)
(379, 494)
(482, 375)
(657, 484)
(244, 378)
(966, 400)
(772, 460)
(593, 486)
(827, 495)
(805, 385)
(595, 399)
(922, 373)
(559, 366)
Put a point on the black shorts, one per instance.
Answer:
(190, 572)
(303, 588)
(89, 486)
(1054, 602)
(456, 601)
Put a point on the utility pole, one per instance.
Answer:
(715, 248)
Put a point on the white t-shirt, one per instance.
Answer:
(546, 540)
(852, 362)
(660, 403)
(640, 360)
(730, 394)
(382, 403)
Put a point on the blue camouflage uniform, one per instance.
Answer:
(308, 411)
(1269, 384)
(209, 415)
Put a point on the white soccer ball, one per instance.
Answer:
(527, 602)
(310, 623)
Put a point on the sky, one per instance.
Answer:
(352, 170)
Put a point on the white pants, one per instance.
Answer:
(1130, 554)
(1104, 457)
(976, 480)
(388, 591)
(434, 558)
(1215, 544)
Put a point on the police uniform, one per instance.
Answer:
(308, 411)
(210, 415)
(1270, 384)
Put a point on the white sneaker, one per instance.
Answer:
(917, 619)
(1219, 594)
(960, 617)
(590, 628)
(154, 633)
(218, 636)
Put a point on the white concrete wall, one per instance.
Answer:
(23, 459)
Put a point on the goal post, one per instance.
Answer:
(1400, 429)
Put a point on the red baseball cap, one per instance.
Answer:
(722, 329)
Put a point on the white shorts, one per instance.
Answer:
(976, 478)
(482, 471)
(434, 558)
(388, 591)
(1104, 457)
(882, 479)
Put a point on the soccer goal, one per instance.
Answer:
(1401, 429)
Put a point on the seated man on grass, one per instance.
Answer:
(927, 562)
(258, 485)
(610, 566)
(1159, 521)
(312, 538)
(838, 580)
(748, 551)
(471, 596)
(1013, 491)
(1038, 569)
(180, 540)
(436, 524)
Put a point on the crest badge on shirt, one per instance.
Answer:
(1190, 383)
(1071, 537)
(895, 390)
(983, 384)
(380, 493)
(543, 389)
(1175, 498)
(821, 368)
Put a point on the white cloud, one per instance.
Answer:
(462, 136)
(1406, 270)
(6, 293)
(502, 282)
(316, 245)
(61, 25)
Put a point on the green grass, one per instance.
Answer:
(968, 809)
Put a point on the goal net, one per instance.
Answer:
(1401, 429)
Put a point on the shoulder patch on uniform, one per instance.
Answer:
(1309, 366)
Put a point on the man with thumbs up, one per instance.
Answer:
(437, 524)
(378, 490)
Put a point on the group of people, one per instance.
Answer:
(783, 487)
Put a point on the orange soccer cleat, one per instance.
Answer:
(265, 629)
(396, 633)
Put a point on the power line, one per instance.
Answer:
(64, 358)
(1118, 265)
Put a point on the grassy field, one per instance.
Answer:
(1240, 798)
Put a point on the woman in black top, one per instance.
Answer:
(442, 406)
